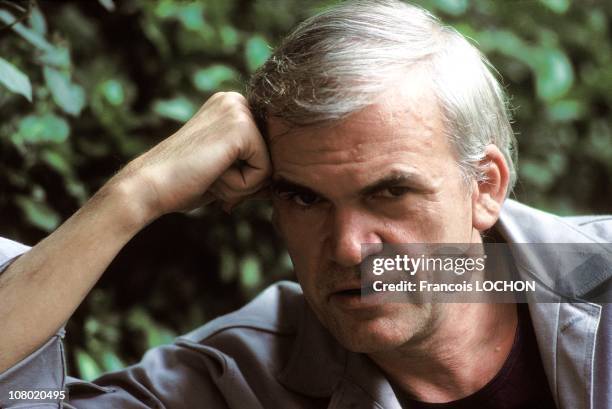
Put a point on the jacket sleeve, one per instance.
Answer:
(171, 376)
(43, 370)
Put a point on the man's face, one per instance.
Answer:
(387, 174)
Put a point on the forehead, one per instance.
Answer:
(403, 128)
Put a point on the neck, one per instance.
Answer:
(465, 350)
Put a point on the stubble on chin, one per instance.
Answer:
(378, 331)
(382, 328)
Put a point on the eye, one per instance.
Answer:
(393, 192)
(303, 199)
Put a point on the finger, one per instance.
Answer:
(264, 193)
(261, 194)
(194, 206)
(233, 183)
(255, 162)
(227, 207)
(207, 198)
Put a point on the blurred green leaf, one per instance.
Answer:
(558, 6)
(56, 161)
(68, 96)
(257, 52)
(244, 232)
(38, 214)
(28, 34)
(453, 7)
(537, 174)
(286, 262)
(228, 268)
(88, 368)
(600, 141)
(554, 74)
(155, 334)
(191, 15)
(597, 20)
(214, 77)
(229, 38)
(107, 4)
(557, 163)
(111, 362)
(43, 128)
(37, 21)
(155, 35)
(166, 8)
(15, 80)
(179, 109)
(250, 272)
(567, 110)
(77, 190)
(113, 91)
(57, 58)
(504, 41)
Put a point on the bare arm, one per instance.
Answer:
(41, 289)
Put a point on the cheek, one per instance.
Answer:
(427, 220)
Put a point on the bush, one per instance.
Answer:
(86, 86)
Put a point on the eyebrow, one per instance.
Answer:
(280, 184)
(395, 178)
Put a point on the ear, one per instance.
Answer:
(489, 195)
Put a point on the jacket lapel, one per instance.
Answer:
(319, 367)
(565, 331)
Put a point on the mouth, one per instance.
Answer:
(354, 298)
(359, 288)
(349, 292)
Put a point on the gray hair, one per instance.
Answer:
(338, 61)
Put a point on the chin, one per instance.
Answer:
(379, 333)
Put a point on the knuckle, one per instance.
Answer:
(217, 96)
(233, 100)
(227, 103)
(235, 96)
(240, 118)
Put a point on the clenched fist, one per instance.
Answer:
(219, 154)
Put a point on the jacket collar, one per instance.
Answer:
(565, 330)
(320, 367)
(571, 274)
(317, 361)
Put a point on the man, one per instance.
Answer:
(378, 125)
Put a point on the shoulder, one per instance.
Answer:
(523, 223)
(260, 335)
(235, 358)
(599, 226)
(274, 310)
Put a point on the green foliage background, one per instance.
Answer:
(87, 85)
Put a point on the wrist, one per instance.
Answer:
(124, 198)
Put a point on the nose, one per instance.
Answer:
(349, 229)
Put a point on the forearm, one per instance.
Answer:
(42, 288)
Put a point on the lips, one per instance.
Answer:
(354, 289)
(355, 299)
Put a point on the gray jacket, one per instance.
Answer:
(273, 353)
